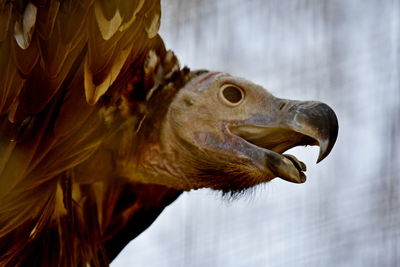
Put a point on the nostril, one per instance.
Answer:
(281, 106)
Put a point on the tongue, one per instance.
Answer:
(297, 163)
(287, 167)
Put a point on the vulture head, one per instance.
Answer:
(229, 134)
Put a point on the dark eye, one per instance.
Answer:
(231, 95)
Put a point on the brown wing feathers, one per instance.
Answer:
(57, 59)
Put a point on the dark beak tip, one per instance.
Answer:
(327, 139)
(321, 156)
(326, 145)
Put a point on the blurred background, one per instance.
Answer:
(345, 53)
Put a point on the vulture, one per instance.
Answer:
(101, 129)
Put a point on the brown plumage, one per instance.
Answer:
(100, 129)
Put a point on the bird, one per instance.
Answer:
(101, 129)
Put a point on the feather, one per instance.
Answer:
(65, 72)
(10, 79)
(5, 19)
(47, 19)
(25, 58)
(107, 26)
(23, 30)
(153, 27)
(126, 8)
(94, 92)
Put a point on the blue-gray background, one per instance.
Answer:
(342, 52)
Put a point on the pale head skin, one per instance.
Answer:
(226, 133)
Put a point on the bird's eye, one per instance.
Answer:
(231, 95)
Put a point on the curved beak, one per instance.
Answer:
(312, 119)
(288, 124)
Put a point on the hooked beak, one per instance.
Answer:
(290, 124)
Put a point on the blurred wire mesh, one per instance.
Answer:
(345, 53)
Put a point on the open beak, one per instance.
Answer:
(290, 124)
